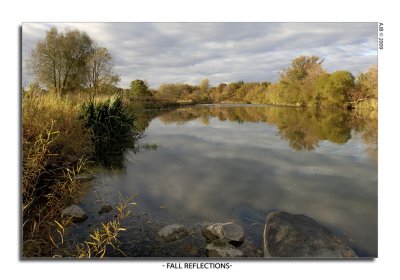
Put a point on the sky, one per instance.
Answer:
(222, 52)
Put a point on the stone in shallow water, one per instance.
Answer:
(231, 232)
(172, 232)
(76, 213)
(299, 236)
(105, 208)
(223, 250)
(191, 250)
(250, 250)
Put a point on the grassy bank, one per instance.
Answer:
(59, 134)
(54, 145)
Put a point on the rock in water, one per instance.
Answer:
(299, 236)
(222, 249)
(172, 232)
(75, 212)
(231, 232)
(105, 208)
(250, 250)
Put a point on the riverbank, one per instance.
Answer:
(59, 136)
(55, 144)
(154, 103)
(368, 104)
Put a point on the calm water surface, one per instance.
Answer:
(219, 163)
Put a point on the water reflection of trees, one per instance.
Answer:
(112, 155)
(303, 128)
(366, 124)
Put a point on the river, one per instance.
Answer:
(217, 163)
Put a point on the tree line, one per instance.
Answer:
(70, 61)
(305, 82)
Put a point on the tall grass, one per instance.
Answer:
(54, 143)
(57, 138)
(49, 112)
(107, 236)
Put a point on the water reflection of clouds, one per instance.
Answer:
(208, 172)
(223, 132)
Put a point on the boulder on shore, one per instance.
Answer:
(76, 213)
(299, 236)
(172, 232)
(230, 232)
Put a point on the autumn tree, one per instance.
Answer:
(59, 61)
(368, 83)
(303, 68)
(204, 86)
(299, 77)
(99, 70)
(216, 93)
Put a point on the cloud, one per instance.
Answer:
(222, 52)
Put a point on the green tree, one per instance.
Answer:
(59, 61)
(337, 90)
(318, 87)
(139, 88)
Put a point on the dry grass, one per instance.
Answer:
(101, 240)
(54, 145)
(106, 236)
(48, 112)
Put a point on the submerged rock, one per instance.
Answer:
(172, 232)
(299, 236)
(191, 250)
(76, 213)
(230, 232)
(222, 249)
(250, 250)
(105, 208)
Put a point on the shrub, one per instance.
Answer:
(112, 126)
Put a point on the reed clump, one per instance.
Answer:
(112, 126)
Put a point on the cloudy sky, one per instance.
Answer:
(222, 52)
